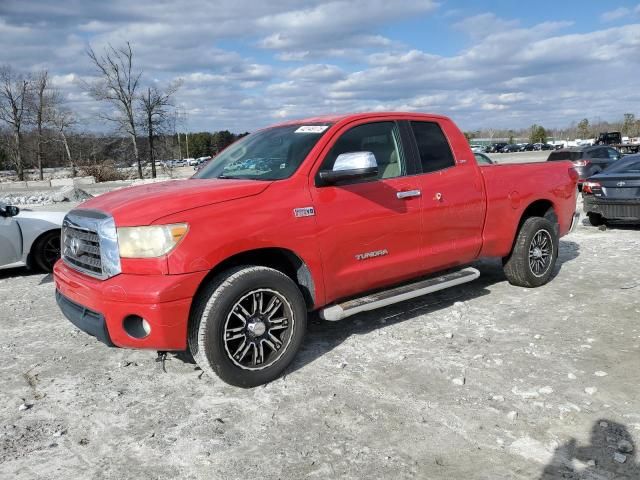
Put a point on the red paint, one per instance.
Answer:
(464, 212)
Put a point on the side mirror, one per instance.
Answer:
(351, 166)
(9, 211)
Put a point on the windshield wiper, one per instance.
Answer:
(228, 177)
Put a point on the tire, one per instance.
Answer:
(527, 265)
(596, 219)
(45, 252)
(232, 337)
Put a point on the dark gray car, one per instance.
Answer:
(615, 193)
(587, 161)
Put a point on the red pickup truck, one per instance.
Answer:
(336, 214)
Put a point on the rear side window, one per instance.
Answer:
(435, 153)
(560, 155)
(599, 153)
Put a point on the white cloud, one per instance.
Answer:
(246, 64)
(620, 13)
(616, 14)
(483, 25)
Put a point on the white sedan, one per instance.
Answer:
(29, 238)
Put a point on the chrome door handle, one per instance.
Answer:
(408, 194)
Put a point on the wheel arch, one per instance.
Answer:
(281, 259)
(34, 243)
(544, 208)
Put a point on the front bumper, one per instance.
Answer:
(100, 307)
(620, 209)
(85, 319)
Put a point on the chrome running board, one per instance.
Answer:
(398, 294)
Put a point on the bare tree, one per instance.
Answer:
(155, 104)
(15, 90)
(118, 86)
(45, 101)
(63, 120)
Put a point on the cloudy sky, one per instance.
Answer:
(250, 63)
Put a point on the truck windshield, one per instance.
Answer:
(270, 154)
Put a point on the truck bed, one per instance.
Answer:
(511, 188)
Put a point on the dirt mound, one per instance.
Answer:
(64, 194)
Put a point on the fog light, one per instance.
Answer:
(136, 326)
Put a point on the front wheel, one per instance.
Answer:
(247, 325)
(534, 254)
(46, 251)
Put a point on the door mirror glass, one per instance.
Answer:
(351, 166)
(8, 210)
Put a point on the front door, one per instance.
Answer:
(369, 231)
(10, 241)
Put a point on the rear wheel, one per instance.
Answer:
(248, 325)
(46, 251)
(595, 219)
(534, 254)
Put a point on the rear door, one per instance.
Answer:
(453, 199)
(10, 241)
(369, 232)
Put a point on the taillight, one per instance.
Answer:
(587, 187)
(581, 163)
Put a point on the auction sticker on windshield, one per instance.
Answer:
(312, 129)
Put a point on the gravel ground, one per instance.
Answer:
(484, 381)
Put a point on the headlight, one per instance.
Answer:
(151, 241)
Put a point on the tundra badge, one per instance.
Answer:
(377, 253)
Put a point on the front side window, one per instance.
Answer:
(380, 138)
(435, 153)
(270, 154)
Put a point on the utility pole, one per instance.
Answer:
(179, 147)
(186, 135)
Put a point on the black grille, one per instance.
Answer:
(81, 250)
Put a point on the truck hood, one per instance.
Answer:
(143, 204)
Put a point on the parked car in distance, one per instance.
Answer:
(483, 159)
(614, 194)
(527, 147)
(542, 146)
(201, 165)
(496, 147)
(510, 148)
(588, 160)
(228, 263)
(478, 148)
(28, 238)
